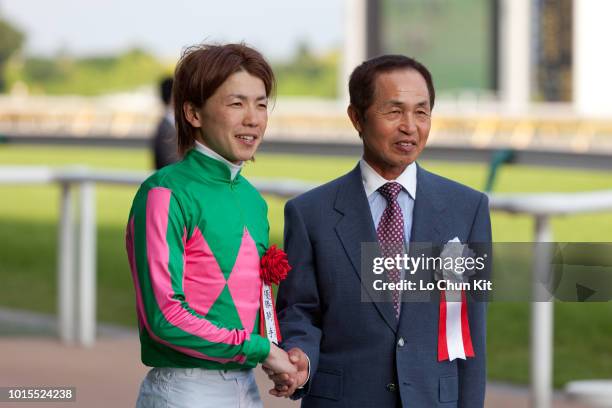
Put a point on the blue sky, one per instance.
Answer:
(86, 27)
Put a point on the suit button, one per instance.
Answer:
(391, 387)
(401, 342)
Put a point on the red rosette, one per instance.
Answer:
(274, 266)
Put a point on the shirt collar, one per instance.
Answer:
(372, 181)
(207, 151)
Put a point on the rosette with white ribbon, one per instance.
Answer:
(273, 269)
(454, 339)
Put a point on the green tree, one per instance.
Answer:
(308, 74)
(11, 40)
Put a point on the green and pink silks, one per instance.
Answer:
(194, 241)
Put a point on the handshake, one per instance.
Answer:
(288, 371)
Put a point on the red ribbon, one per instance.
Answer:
(443, 337)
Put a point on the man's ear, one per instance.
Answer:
(192, 115)
(355, 118)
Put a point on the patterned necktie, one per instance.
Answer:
(390, 233)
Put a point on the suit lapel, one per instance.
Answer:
(429, 214)
(355, 227)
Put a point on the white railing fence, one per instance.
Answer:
(76, 263)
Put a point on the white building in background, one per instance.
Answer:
(515, 36)
(355, 40)
(592, 79)
(591, 84)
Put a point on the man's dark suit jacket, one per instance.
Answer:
(165, 146)
(356, 355)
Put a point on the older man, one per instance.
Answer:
(355, 353)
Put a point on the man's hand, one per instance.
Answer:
(286, 383)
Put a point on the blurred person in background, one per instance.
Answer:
(352, 352)
(165, 145)
(196, 234)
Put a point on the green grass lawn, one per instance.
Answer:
(28, 231)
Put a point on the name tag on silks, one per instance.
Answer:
(268, 322)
